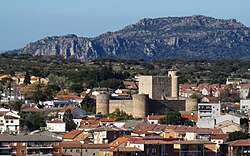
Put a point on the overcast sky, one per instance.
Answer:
(24, 21)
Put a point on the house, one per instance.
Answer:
(244, 106)
(148, 147)
(189, 133)
(154, 119)
(191, 115)
(62, 111)
(207, 113)
(244, 91)
(107, 121)
(23, 145)
(219, 139)
(202, 148)
(238, 147)
(9, 121)
(107, 134)
(76, 135)
(76, 148)
(210, 99)
(119, 142)
(122, 91)
(233, 81)
(131, 85)
(228, 126)
(56, 125)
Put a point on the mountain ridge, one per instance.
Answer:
(187, 37)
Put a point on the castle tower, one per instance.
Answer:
(174, 84)
(140, 105)
(102, 104)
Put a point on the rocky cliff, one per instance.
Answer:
(191, 37)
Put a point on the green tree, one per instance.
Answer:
(17, 105)
(172, 118)
(120, 115)
(88, 104)
(68, 119)
(237, 135)
(76, 87)
(27, 78)
(33, 120)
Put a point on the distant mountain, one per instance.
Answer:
(191, 37)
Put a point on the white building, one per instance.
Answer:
(9, 121)
(244, 105)
(207, 114)
(56, 126)
(244, 92)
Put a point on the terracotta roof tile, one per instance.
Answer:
(239, 143)
(117, 142)
(68, 107)
(107, 120)
(72, 134)
(219, 136)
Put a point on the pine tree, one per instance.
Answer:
(27, 78)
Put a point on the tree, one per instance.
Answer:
(33, 120)
(237, 135)
(68, 119)
(120, 115)
(172, 118)
(17, 105)
(76, 87)
(27, 78)
(88, 104)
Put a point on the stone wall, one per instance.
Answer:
(125, 105)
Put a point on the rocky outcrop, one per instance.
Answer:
(192, 37)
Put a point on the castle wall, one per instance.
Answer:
(125, 105)
(191, 105)
(161, 87)
(157, 87)
(145, 85)
(102, 104)
(140, 105)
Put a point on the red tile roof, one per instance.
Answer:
(190, 115)
(72, 134)
(239, 143)
(117, 142)
(107, 120)
(68, 107)
(219, 136)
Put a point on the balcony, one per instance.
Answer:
(41, 146)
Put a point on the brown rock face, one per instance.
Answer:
(192, 37)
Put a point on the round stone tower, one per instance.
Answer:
(140, 105)
(191, 104)
(174, 84)
(102, 104)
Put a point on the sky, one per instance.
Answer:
(24, 21)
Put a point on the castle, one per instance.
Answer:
(157, 94)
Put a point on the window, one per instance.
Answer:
(77, 151)
(23, 151)
(56, 143)
(11, 121)
(57, 150)
(13, 151)
(7, 121)
(86, 150)
(93, 154)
